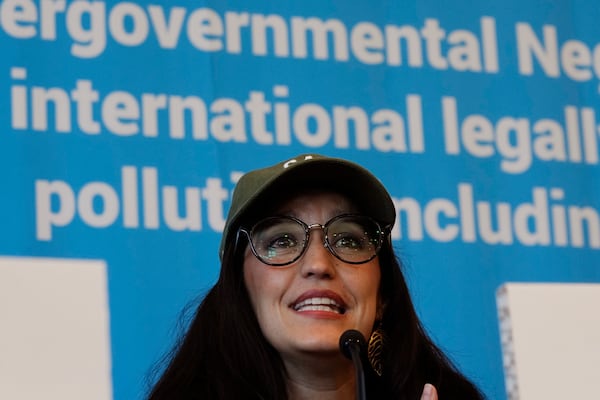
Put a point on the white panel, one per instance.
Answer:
(54, 333)
(551, 340)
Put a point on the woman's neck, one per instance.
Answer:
(320, 379)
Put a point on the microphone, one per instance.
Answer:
(352, 344)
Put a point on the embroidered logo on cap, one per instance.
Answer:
(294, 161)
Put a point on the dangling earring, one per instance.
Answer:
(375, 349)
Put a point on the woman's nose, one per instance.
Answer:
(317, 260)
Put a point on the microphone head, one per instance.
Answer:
(352, 339)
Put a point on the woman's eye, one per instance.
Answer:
(348, 241)
(285, 241)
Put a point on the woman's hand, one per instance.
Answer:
(429, 392)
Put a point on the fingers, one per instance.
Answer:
(429, 392)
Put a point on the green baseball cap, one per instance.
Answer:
(257, 189)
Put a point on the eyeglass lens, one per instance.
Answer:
(282, 240)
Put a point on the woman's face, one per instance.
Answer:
(281, 296)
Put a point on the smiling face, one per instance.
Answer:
(304, 307)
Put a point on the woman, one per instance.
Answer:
(306, 255)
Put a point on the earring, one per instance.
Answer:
(375, 350)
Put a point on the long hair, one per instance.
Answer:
(411, 359)
(224, 355)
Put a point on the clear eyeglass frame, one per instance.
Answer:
(373, 235)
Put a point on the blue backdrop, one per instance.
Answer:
(125, 126)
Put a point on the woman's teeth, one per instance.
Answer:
(319, 304)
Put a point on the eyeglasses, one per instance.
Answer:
(279, 241)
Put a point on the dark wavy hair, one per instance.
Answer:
(224, 355)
